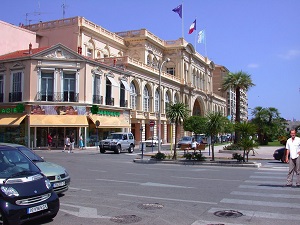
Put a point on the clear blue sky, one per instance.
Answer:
(260, 37)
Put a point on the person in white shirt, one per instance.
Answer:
(194, 145)
(293, 148)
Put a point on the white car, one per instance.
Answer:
(152, 142)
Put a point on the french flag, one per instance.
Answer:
(192, 27)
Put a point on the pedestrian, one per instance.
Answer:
(80, 142)
(194, 145)
(293, 148)
(72, 140)
(49, 141)
(67, 143)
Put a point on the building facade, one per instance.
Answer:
(113, 72)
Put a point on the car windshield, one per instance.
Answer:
(14, 164)
(115, 136)
(186, 138)
(30, 154)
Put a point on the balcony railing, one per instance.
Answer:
(109, 101)
(58, 96)
(123, 103)
(15, 96)
(97, 99)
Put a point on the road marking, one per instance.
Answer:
(272, 173)
(264, 194)
(202, 178)
(259, 214)
(146, 184)
(168, 199)
(269, 177)
(265, 182)
(79, 189)
(102, 171)
(260, 203)
(269, 187)
(84, 212)
(203, 222)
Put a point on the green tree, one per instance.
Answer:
(247, 141)
(195, 124)
(177, 113)
(237, 81)
(269, 124)
(215, 124)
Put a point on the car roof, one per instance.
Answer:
(6, 148)
(11, 144)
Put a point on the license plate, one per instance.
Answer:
(59, 184)
(37, 208)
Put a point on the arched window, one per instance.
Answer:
(146, 99)
(167, 101)
(133, 96)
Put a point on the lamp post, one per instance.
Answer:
(97, 126)
(142, 146)
(159, 98)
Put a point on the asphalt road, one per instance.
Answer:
(110, 189)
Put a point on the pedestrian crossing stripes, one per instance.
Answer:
(261, 197)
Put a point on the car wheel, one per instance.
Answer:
(3, 220)
(131, 149)
(118, 149)
(102, 150)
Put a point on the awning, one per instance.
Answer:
(127, 88)
(110, 121)
(11, 119)
(58, 121)
(113, 82)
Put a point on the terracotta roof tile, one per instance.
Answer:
(21, 53)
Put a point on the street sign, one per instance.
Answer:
(152, 123)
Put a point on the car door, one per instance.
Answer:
(125, 142)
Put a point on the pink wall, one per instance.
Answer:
(15, 38)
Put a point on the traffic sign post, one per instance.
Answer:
(152, 123)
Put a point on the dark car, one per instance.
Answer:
(279, 154)
(25, 193)
(58, 175)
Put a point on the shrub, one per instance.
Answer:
(238, 157)
(232, 147)
(188, 156)
(159, 156)
(199, 157)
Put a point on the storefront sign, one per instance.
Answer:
(108, 113)
(9, 110)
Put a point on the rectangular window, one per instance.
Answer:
(96, 94)
(1, 88)
(69, 87)
(47, 85)
(16, 93)
(171, 71)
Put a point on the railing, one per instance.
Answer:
(123, 103)
(15, 96)
(1, 97)
(110, 101)
(97, 99)
(58, 96)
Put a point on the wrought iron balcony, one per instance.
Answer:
(97, 99)
(58, 96)
(109, 101)
(15, 96)
(123, 103)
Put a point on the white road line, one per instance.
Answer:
(147, 184)
(261, 203)
(268, 188)
(272, 173)
(203, 178)
(265, 195)
(79, 189)
(266, 182)
(167, 199)
(269, 177)
(257, 214)
(205, 222)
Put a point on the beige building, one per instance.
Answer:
(117, 73)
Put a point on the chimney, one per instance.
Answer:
(30, 48)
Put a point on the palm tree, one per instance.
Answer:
(247, 141)
(215, 124)
(237, 81)
(177, 113)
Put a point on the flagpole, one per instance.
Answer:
(182, 27)
(205, 43)
(196, 35)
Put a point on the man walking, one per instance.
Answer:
(293, 148)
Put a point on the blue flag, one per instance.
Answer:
(178, 10)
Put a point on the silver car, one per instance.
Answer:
(184, 140)
(58, 176)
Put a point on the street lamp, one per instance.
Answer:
(97, 126)
(142, 146)
(159, 97)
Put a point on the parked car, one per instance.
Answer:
(117, 142)
(184, 140)
(152, 141)
(25, 192)
(279, 154)
(58, 175)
